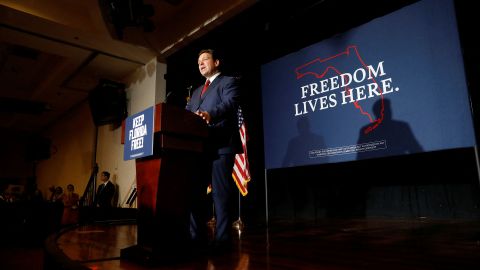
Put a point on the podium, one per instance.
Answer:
(164, 186)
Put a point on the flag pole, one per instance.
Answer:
(212, 223)
(239, 205)
(477, 162)
(243, 175)
(266, 199)
(238, 224)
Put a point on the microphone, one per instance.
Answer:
(189, 88)
(168, 95)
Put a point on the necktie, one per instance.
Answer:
(207, 83)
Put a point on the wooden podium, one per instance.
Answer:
(164, 188)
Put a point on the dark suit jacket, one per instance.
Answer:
(221, 101)
(105, 195)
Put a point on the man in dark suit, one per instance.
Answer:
(217, 103)
(105, 191)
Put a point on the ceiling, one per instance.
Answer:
(53, 52)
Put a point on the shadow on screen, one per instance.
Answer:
(301, 187)
(390, 138)
(299, 147)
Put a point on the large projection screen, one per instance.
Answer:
(393, 86)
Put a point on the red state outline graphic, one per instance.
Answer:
(348, 89)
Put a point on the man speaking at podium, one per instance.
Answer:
(217, 103)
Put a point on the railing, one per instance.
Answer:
(88, 196)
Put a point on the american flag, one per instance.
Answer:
(241, 171)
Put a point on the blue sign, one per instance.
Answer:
(139, 135)
(393, 86)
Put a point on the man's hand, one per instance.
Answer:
(205, 116)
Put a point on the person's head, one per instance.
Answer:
(105, 176)
(208, 63)
(70, 188)
(382, 104)
(303, 125)
(58, 190)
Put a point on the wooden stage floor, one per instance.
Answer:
(327, 244)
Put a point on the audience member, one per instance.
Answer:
(3, 197)
(33, 194)
(57, 193)
(70, 206)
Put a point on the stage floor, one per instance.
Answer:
(328, 244)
